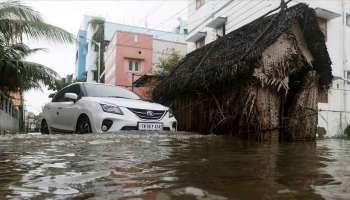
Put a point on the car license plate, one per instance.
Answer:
(150, 126)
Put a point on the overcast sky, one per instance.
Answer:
(68, 14)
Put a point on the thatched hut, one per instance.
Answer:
(261, 81)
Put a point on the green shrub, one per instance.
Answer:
(347, 131)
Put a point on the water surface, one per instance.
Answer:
(170, 166)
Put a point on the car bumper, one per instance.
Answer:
(128, 121)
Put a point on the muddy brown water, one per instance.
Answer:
(170, 166)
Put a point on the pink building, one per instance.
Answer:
(128, 56)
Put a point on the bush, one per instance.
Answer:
(347, 131)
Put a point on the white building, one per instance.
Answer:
(210, 19)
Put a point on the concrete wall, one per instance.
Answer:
(81, 55)
(110, 61)
(8, 123)
(334, 115)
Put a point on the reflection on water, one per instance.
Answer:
(177, 166)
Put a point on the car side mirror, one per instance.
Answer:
(52, 95)
(71, 96)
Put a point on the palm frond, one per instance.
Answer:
(19, 51)
(16, 74)
(15, 29)
(17, 10)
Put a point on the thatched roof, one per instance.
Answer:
(232, 58)
(146, 79)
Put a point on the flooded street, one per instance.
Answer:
(162, 166)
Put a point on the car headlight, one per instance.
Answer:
(111, 109)
(171, 114)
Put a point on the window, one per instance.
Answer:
(59, 97)
(221, 30)
(1, 102)
(199, 3)
(322, 23)
(200, 42)
(96, 90)
(94, 75)
(75, 89)
(134, 65)
(185, 31)
(347, 77)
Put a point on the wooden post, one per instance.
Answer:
(132, 81)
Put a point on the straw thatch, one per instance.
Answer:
(252, 79)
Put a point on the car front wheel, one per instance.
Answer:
(44, 129)
(83, 125)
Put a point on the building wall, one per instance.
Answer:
(334, 116)
(8, 116)
(8, 124)
(110, 61)
(81, 55)
(129, 46)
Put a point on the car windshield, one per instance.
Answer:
(95, 90)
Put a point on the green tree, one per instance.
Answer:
(98, 26)
(17, 21)
(167, 63)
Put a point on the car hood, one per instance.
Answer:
(128, 103)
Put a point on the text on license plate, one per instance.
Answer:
(150, 126)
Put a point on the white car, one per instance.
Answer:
(100, 108)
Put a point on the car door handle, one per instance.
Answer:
(59, 108)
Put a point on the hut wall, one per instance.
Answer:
(302, 115)
(268, 108)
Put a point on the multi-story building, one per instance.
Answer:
(87, 53)
(127, 56)
(210, 19)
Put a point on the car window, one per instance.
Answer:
(59, 96)
(99, 90)
(75, 89)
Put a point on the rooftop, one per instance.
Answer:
(112, 27)
(231, 59)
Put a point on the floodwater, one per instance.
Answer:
(170, 166)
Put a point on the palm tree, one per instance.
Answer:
(15, 73)
(17, 21)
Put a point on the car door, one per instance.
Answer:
(68, 110)
(52, 110)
